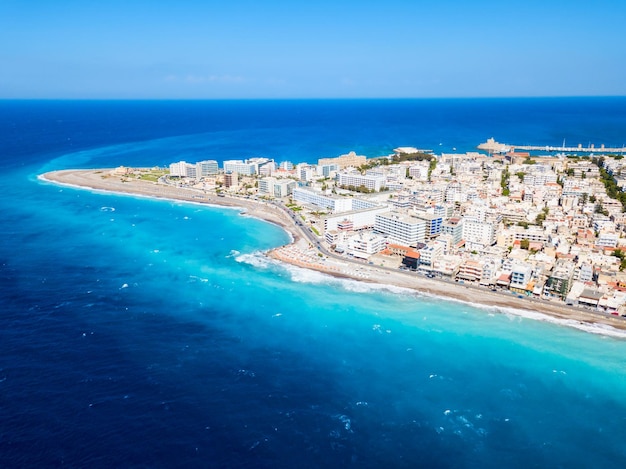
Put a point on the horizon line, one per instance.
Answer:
(381, 98)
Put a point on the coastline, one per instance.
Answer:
(102, 180)
(302, 253)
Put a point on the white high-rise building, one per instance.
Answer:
(357, 219)
(276, 187)
(476, 232)
(335, 204)
(401, 228)
(267, 169)
(206, 168)
(372, 183)
(183, 169)
(240, 167)
(306, 173)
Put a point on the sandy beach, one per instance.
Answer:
(302, 253)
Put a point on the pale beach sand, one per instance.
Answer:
(303, 254)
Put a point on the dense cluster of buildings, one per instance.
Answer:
(542, 227)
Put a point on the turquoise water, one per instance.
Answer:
(139, 332)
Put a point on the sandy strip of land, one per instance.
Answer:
(304, 254)
(103, 180)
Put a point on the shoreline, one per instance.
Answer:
(101, 180)
(301, 253)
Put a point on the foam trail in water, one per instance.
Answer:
(302, 275)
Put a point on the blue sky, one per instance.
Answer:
(316, 49)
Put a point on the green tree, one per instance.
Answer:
(431, 167)
(584, 198)
(541, 217)
(504, 182)
(622, 258)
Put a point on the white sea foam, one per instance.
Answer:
(345, 420)
(594, 328)
(303, 275)
(462, 425)
(256, 259)
(516, 314)
(195, 278)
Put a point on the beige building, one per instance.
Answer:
(344, 161)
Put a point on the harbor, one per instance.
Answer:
(495, 147)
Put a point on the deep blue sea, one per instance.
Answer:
(149, 333)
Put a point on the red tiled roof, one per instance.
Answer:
(413, 254)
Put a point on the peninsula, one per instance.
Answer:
(393, 264)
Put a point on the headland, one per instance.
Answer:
(304, 252)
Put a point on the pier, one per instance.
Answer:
(495, 147)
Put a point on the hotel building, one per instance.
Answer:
(206, 168)
(354, 179)
(401, 228)
(344, 161)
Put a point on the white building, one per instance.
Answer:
(455, 193)
(479, 233)
(358, 219)
(284, 187)
(206, 168)
(306, 172)
(521, 274)
(419, 172)
(607, 239)
(448, 266)
(333, 203)
(276, 187)
(183, 169)
(327, 170)
(364, 245)
(454, 228)
(354, 179)
(401, 228)
(602, 222)
(240, 167)
(585, 273)
(431, 252)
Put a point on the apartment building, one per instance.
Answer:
(401, 228)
